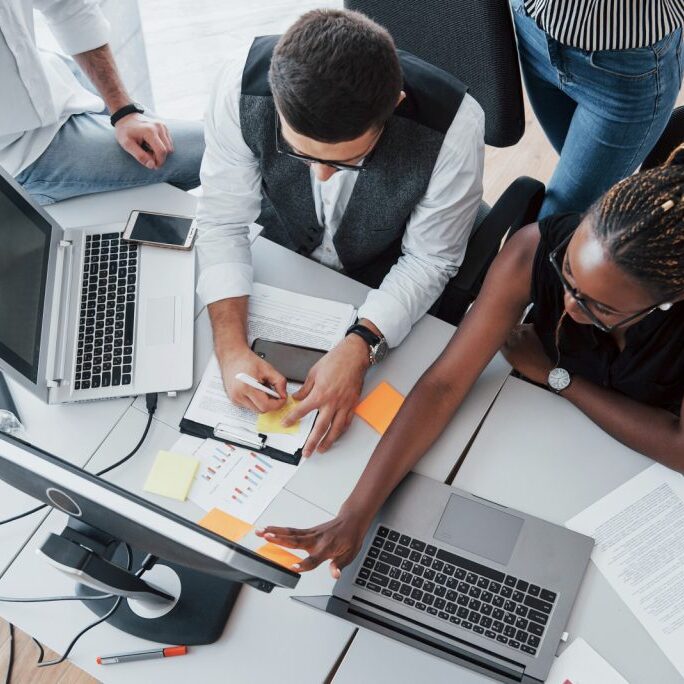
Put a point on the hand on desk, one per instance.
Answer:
(524, 351)
(338, 540)
(333, 386)
(246, 361)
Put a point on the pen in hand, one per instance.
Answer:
(249, 380)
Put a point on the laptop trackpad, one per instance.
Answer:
(478, 528)
(160, 321)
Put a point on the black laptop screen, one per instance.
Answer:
(24, 255)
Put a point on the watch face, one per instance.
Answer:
(559, 379)
(379, 351)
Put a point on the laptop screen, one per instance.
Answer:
(24, 256)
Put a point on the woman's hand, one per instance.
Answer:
(524, 351)
(338, 541)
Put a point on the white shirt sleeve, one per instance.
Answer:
(78, 25)
(437, 231)
(231, 193)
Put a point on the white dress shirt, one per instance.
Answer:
(433, 244)
(39, 92)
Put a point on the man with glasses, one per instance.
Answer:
(367, 161)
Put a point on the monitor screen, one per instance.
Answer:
(24, 255)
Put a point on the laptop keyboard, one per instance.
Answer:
(500, 607)
(104, 355)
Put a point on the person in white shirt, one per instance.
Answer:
(367, 161)
(55, 136)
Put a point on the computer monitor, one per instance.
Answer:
(187, 595)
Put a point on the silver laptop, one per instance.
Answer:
(465, 579)
(85, 315)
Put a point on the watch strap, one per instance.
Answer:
(365, 334)
(131, 108)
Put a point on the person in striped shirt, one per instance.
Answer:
(602, 77)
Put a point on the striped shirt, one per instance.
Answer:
(607, 24)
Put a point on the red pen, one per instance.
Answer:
(152, 654)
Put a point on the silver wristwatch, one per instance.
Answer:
(558, 380)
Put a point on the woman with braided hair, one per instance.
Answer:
(606, 332)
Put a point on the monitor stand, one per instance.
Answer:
(194, 612)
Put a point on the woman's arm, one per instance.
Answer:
(651, 431)
(428, 408)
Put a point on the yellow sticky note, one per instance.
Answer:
(380, 406)
(224, 524)
(278, 554)
(272, 422)
(171, 475)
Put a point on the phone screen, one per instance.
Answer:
(163, 229)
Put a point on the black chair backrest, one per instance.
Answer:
(472, 39)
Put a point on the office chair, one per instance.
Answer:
(475, 41)
(672, 136)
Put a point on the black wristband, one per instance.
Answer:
(364, 333)
(125, 111)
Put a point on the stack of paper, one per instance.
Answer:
(282, 316)
(639, 532)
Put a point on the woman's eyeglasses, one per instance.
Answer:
(584, 303)
(340, 166)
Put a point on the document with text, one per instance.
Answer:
(639, 532)
(282, 316)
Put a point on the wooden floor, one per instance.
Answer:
(186, 43)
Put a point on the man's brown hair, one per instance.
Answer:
(334, 75)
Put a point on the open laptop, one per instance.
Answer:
(85, 315)
(465, 579)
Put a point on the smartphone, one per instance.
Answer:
(293, 361)
(160, 230)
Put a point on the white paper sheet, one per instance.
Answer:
(580, 664)
(283, 316)
(238, 481)
(639, 532)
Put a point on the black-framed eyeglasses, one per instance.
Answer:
(583, 302)
(340, 166)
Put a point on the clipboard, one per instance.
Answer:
(236, 437)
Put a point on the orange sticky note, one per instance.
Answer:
(380, 406)
(278, 554)
(224, 524)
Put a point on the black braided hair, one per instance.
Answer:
(640, 222)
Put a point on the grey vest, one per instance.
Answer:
(368, 241)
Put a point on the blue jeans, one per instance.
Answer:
(602, 111)
(84, 157)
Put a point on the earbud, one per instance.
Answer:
(665, 307)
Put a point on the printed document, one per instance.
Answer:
(639, 532)
(237, 481)
(283, 316)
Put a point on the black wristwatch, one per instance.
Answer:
(377, 345)
(132, 108)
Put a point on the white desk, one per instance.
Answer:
(554, 468)
(539, 454)
(327, 479)
(268, 638)
(263, 637)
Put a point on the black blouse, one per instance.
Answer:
(650, 368)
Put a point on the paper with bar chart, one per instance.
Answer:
(237, 481)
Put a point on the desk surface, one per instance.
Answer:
(263, 636)
(554, 468)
